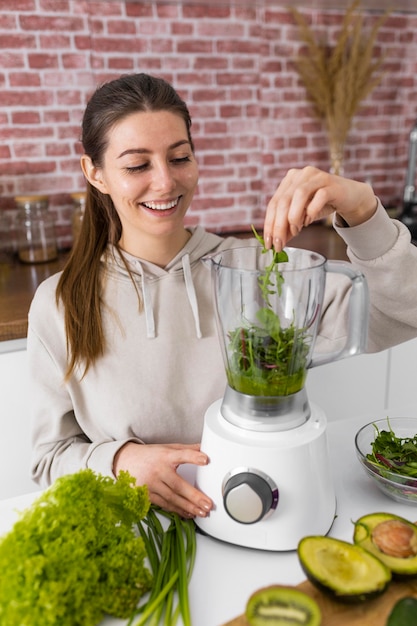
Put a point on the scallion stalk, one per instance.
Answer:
(171, 554)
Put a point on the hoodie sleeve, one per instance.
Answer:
(381, 249)
(59, 444)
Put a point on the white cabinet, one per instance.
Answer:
(15, 449)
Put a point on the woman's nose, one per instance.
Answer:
(163, 178)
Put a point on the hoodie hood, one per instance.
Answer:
(125, 266)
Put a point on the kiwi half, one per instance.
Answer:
(282, 606)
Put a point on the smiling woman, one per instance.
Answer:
(124, 355)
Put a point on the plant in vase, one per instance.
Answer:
(338, 77)
(266, 358)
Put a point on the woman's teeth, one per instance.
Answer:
(160, 206)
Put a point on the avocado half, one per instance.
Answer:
(392, 539)
(346, 572)
(282, 606)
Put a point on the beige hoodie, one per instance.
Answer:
(163, 366)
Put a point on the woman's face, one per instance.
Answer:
(150, 172)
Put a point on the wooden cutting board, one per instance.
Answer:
(370, 613)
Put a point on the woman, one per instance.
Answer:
(123, 349)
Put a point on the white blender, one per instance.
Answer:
(268, 472)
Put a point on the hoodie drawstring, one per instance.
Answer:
(147, 298)
(192, 297)
(147, 304)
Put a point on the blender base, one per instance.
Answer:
(293, 464)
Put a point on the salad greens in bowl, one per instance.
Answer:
(387, 451)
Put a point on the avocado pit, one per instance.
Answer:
(395, 538)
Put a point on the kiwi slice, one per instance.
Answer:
(282, 606)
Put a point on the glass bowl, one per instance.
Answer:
(399, 487)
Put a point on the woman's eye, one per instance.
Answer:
(136, 168)
(143, 166)
(181, 159)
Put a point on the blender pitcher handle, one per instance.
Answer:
(358, 315)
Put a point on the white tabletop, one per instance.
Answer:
(225, 575)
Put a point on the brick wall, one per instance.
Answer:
(233, 63)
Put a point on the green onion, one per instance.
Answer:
(171, 554)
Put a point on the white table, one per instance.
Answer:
(225, 575)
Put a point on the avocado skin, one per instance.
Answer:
(401, 568)
(404, 613)
(346, 598)
(338, 590)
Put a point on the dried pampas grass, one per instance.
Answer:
(338, 77)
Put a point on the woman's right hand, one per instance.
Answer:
(155, 465)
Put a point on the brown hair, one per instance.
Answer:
(79, 287)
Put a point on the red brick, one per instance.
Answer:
(55, 42)
(231, 110)
(129, 45)
(25, 98)
(75, 61)
(50, 23)
(9, 60)
(105, 8)
(120, 63)
(26, 117)
(18, 41)
(195, 47)
(42, 61)
(56, 117)
(206, 11)
(60, 6)
(4, 153)
(24, 79)
(182, 28)
(168, 11)
(161, 46)
(18, 5)
(139, 9)
(7, 22)
(57, 149)
(121, 27)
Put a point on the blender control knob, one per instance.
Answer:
(249, 496)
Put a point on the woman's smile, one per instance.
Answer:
(164, 206)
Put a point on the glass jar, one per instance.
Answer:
(78, 200)
(35, 230)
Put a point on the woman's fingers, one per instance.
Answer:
(296, 203)
(309, 194)
(155, 465)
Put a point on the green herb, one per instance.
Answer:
(82, 550)
(172, 555)
(266, 359)
(72, 557)
(265, 282)
(397, 454)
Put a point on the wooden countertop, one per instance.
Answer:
(18, 281)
